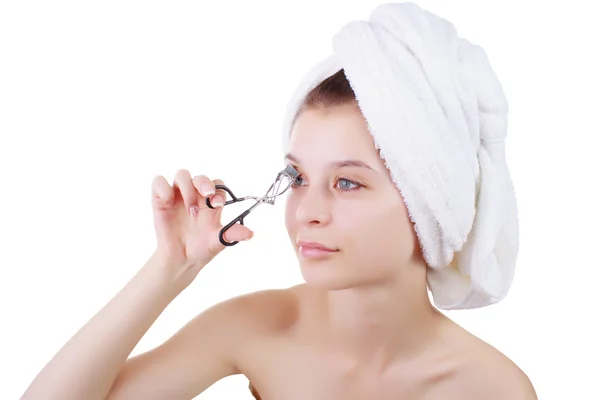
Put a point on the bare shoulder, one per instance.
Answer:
(487, 373)
(208, 348)
(260, 314)
(258, 309)
(258, 320)
(495, 376)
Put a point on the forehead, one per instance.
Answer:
(339, 131)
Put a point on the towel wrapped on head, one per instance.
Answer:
(438, 117)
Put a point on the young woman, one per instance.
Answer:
(360, 327)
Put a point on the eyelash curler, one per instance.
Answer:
(284, 180)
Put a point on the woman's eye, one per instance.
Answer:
(341, 183)
(298, 181)
(345, 184)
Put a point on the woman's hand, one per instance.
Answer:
(187, 231)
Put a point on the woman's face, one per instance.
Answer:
(345, 200)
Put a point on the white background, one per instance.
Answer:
(96, 98)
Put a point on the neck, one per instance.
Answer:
(375, 325)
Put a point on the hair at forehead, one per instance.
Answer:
(332, 91)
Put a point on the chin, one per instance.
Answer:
(327, 286)
(333, 276)
(326, 276)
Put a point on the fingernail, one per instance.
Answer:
(217, 201)
(207, 190)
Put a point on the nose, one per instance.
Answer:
(314, 207)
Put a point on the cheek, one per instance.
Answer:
(384, 233)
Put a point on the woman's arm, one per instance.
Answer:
(93, 363)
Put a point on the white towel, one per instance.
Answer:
(438, 115)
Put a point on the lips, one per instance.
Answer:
(315, 246)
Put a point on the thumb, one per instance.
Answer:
(237, 232)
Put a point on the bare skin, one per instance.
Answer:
(361, 327)
(299, 358)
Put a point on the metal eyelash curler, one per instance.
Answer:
(282, 183)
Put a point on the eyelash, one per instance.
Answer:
(357, 185)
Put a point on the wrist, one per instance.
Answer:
(168, 275)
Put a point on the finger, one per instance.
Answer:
(220, 196)
(237, 232)
(161, 190)
(183, 182)
(204, 186)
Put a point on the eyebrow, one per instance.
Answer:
(338, 164)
